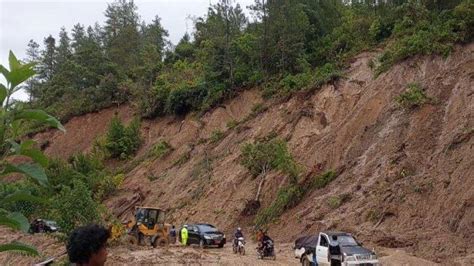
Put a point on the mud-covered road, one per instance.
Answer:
(177, 255)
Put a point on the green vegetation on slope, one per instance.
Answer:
(284, 47)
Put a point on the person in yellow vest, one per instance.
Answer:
(184, 235)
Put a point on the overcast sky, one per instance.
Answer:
(23, 20)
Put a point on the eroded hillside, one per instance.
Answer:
(409, 173)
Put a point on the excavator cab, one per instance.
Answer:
(149, 226)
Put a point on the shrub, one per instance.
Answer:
(413, 97)
(327, 73)
(336, 201)
(295, 82)
(61, 174)
(108, 186)
(25, 207)
(152, 177)
(74, 206)
(183, 159)
(420, 32)
(184, 99)
(310, 80)
(86, 163)
(264, 156)
(373, 215)
(287, 197)
(161, 149)
(257, 109)
(464, 21)
(323, 180)
(216, 136)
(121, 141)
(151, 103)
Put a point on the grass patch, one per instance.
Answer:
(183, 159)
(216, 136)
(161, 149)
(232, 124)
(201, 141)
(257, 109)
(291, 195)
(287, 197)
(324, 179)
(336, 201)
(413, 97)
(373, 215)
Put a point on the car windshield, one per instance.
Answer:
(347, 241)
(207, 228)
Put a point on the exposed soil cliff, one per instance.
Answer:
(409, 174)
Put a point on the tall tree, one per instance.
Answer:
(215, 34)
(64, 48)
(122, 38)
(78, 36)
(33, 56)
(49, 58)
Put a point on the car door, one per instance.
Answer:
(322, 250)
(193, 235)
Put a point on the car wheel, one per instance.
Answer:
(220, 246)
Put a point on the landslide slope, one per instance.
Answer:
(409, 173)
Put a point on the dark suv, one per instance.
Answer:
(205, 235)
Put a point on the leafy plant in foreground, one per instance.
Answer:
(32, 160)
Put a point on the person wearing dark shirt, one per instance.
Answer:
(335, 252)
(238, 234)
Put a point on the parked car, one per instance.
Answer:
(204, 235)
(307, 248)
(43, 226)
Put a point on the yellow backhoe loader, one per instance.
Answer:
(149, 227)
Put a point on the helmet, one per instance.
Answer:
(185, 226)
(239, 229)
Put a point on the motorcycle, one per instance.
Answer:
(267, 250)
(239, 246)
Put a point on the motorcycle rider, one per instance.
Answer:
(238, 234)
(264, 242)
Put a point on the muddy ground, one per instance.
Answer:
(128, 254)
(177, 255)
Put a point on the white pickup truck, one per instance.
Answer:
(309, 248)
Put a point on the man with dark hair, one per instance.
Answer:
(87, 245)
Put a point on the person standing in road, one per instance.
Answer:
(184, 235)
(173, 235)
(335, 255)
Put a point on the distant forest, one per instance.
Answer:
(283, 47)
